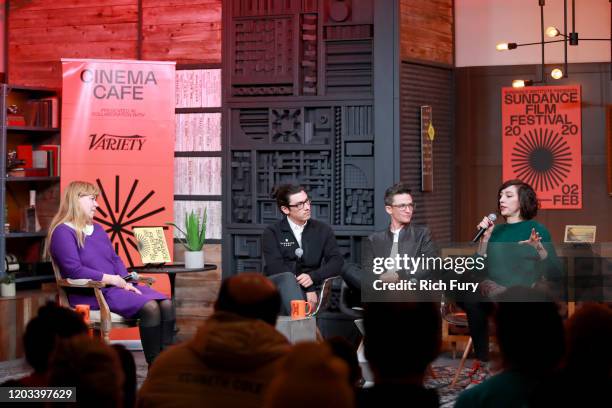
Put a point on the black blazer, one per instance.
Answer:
(321, 258)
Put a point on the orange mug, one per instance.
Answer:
(300, 309)
(83, 310)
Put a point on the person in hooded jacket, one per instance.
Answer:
(234, 355)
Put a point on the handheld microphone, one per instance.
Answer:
(481, 230)
(298, 265)
(132, 276)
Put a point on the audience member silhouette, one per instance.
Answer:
(92, 367)
(531, 344)
(310, 376)
(128, 366)
(344, 350)
(586, 377)
(233, 356)
(401, 340)
(41, 334)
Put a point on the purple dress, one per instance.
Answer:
(96, 258)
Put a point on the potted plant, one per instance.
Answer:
(7, 285)
(194, 235)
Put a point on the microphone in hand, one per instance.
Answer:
(492, 217)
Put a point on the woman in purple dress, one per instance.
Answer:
(82, 250)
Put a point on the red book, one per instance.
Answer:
(24, 152)
(36, 172)
(15, 120)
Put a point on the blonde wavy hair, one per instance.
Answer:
(70, 210)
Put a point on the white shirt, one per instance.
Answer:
(297, 230)
(396, 234)
(88, 230)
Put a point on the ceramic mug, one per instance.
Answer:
(83, 310)
(300, 309)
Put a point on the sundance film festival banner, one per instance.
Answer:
(118, 133)
(542, 140)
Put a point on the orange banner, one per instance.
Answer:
(118, 132)
(542, 142)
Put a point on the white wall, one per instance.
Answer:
(480, 24)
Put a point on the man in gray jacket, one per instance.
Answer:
(397, 255)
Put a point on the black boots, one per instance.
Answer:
(151, 342)
(167, 333)
(156, 338)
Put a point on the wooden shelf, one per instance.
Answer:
(24, 179)
(32, 129)
(31, 89)
(14, 192)
(26, 234)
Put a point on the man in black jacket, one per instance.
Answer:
(299, 252)
(411, 243)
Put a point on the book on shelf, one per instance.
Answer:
(15, 120)
(24, 152)
(36, 172)
(16, 172)
(28, 172)
(42, 112)
(39, 161)
(53, 158)
(53, 110)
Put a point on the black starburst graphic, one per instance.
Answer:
(542, 158)
(116, 218)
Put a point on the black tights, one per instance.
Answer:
(478, 321)
(156, 327)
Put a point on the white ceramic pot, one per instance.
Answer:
(7, 289)
(194, 259)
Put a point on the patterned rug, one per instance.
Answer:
(444, 375)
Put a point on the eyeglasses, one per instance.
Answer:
(403, 207)
(300, 206)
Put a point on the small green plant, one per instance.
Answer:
(195, 231)
(8, 278)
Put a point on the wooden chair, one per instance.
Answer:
(102, 320)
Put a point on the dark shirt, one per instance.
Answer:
(321, 258)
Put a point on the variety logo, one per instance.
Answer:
(106, 141)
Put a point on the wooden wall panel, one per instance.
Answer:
(433, 86)
(185, 31)
(42, 32)
(479, 151)
(426, 30)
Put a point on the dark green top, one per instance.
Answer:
(511, 264)
(507, 389)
